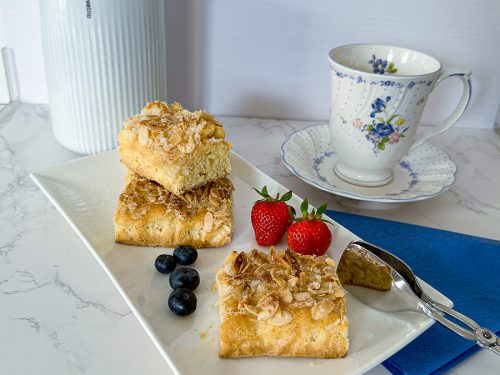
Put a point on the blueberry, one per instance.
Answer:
(184, 277)
(185, 255)
(182, 301)
(165, 263)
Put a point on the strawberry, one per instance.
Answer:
(271, 217)
(309, 235)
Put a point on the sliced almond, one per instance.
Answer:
(267, 298)
(228, 266)
(282, 262)
(330, 262)
(238, 263)
(285, 318)
(302, 296)
(281, 283)
(251, 309)
(143, 136)
(314, 285)
(244, 297)
(208, 222)
(260, 270)
(292, 281)
(303, 278)
(286, 296)
(322, 309)
(259, 257)
(268, 310)
(278, 312)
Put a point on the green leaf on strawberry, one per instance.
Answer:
(321, 210)
(313, 215)
(266, 197)
(286, 196)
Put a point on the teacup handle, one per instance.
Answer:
(458, 111)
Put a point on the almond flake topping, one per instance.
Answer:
(272, 284)
(171, 130)
(141, 194)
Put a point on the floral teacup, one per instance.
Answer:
(378, 94)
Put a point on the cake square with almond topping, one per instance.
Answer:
(149, 215)
(178, 149)
(281, 304)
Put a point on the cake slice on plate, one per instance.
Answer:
(281, 304)
(179, 149)
(149, 215)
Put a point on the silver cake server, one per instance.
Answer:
(406, 294)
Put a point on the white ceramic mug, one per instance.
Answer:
(378, 94)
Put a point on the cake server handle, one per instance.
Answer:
(482, 336)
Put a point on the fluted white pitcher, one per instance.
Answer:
(104, 60)
(378, 94)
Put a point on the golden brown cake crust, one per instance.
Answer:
(356, 267)
(149, 215)
(177, 148)
(281, 305)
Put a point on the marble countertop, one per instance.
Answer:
(59, 312)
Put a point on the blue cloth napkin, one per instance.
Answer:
(464, 268)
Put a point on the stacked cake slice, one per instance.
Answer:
(176, 191)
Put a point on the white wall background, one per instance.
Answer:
(267, 58)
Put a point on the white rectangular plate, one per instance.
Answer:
(85, 191)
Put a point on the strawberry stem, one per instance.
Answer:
(266, 197)
(314, 214)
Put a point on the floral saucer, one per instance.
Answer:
(424, 173)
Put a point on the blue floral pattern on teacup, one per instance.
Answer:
(389, 83)
(385, 129)
(382, 66)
